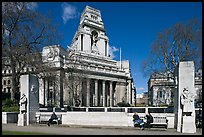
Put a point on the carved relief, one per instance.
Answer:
(52, 54)
(187, 100)
(23, 103)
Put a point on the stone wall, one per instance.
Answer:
(9, 117)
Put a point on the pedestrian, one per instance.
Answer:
(53, 116)
(137, 119)
(149, 119)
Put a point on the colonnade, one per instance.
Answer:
(93, 92)
(104, 93)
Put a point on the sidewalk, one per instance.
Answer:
(92, 130)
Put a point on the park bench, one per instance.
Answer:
(44, 118)
(158, 121)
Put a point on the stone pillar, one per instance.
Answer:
(88, 93)
(29, 99)
(104, 93)
(80, 93)
(184, 100)
(129, 92)
(57, 88)
(41, 91)
(46, 92)
(111, 93)
(96, 92)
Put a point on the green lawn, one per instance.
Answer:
(22, 133)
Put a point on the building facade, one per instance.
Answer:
(84, 74)
(161, 90)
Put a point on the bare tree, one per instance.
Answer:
(182, 42)
(74, 76)
(24, 33)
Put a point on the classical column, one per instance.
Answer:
(88, 93)
(129, 92)
(96, 92)
(80, 93)
(111, 94)
(46, 92)
(104, 89)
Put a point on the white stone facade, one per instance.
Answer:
(96, 79)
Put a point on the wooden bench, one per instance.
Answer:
(44, 118)
(158, 121)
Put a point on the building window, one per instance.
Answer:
(4, 90)
(4, 82)
(105, 48)
(81, 42)
(9, 89)
(160, 95)
(4, 71)
(9, 71)
(32, 69)
(9, 82)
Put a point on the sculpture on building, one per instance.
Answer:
(23, 104)
(94, 40)
(187, 100)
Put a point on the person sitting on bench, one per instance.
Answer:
(149, 119)
(53, 116)
(137, 119)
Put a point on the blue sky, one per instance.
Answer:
(131, 26)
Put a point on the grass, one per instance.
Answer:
(22, 133)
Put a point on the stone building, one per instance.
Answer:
(84, 74)
(198, 88)
(161, 89)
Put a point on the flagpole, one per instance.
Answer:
(120, 59)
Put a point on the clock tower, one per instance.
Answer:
(91, 34)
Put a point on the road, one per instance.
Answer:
(93, 130)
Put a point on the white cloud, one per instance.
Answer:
(69, 12)
(140, 89)
(112, 50)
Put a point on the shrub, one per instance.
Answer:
(123, 104)
(10, 109)
(10, 105)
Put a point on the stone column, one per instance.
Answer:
(129, 92)
(104, 89)
(80, 93)
(111, 93)
(41, 91)
(88, 93)
(46, 92)
(96, 92)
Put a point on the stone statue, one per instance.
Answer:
(23, 104)
(94, 40)
(187, 100)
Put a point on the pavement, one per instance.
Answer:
(93, 130)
